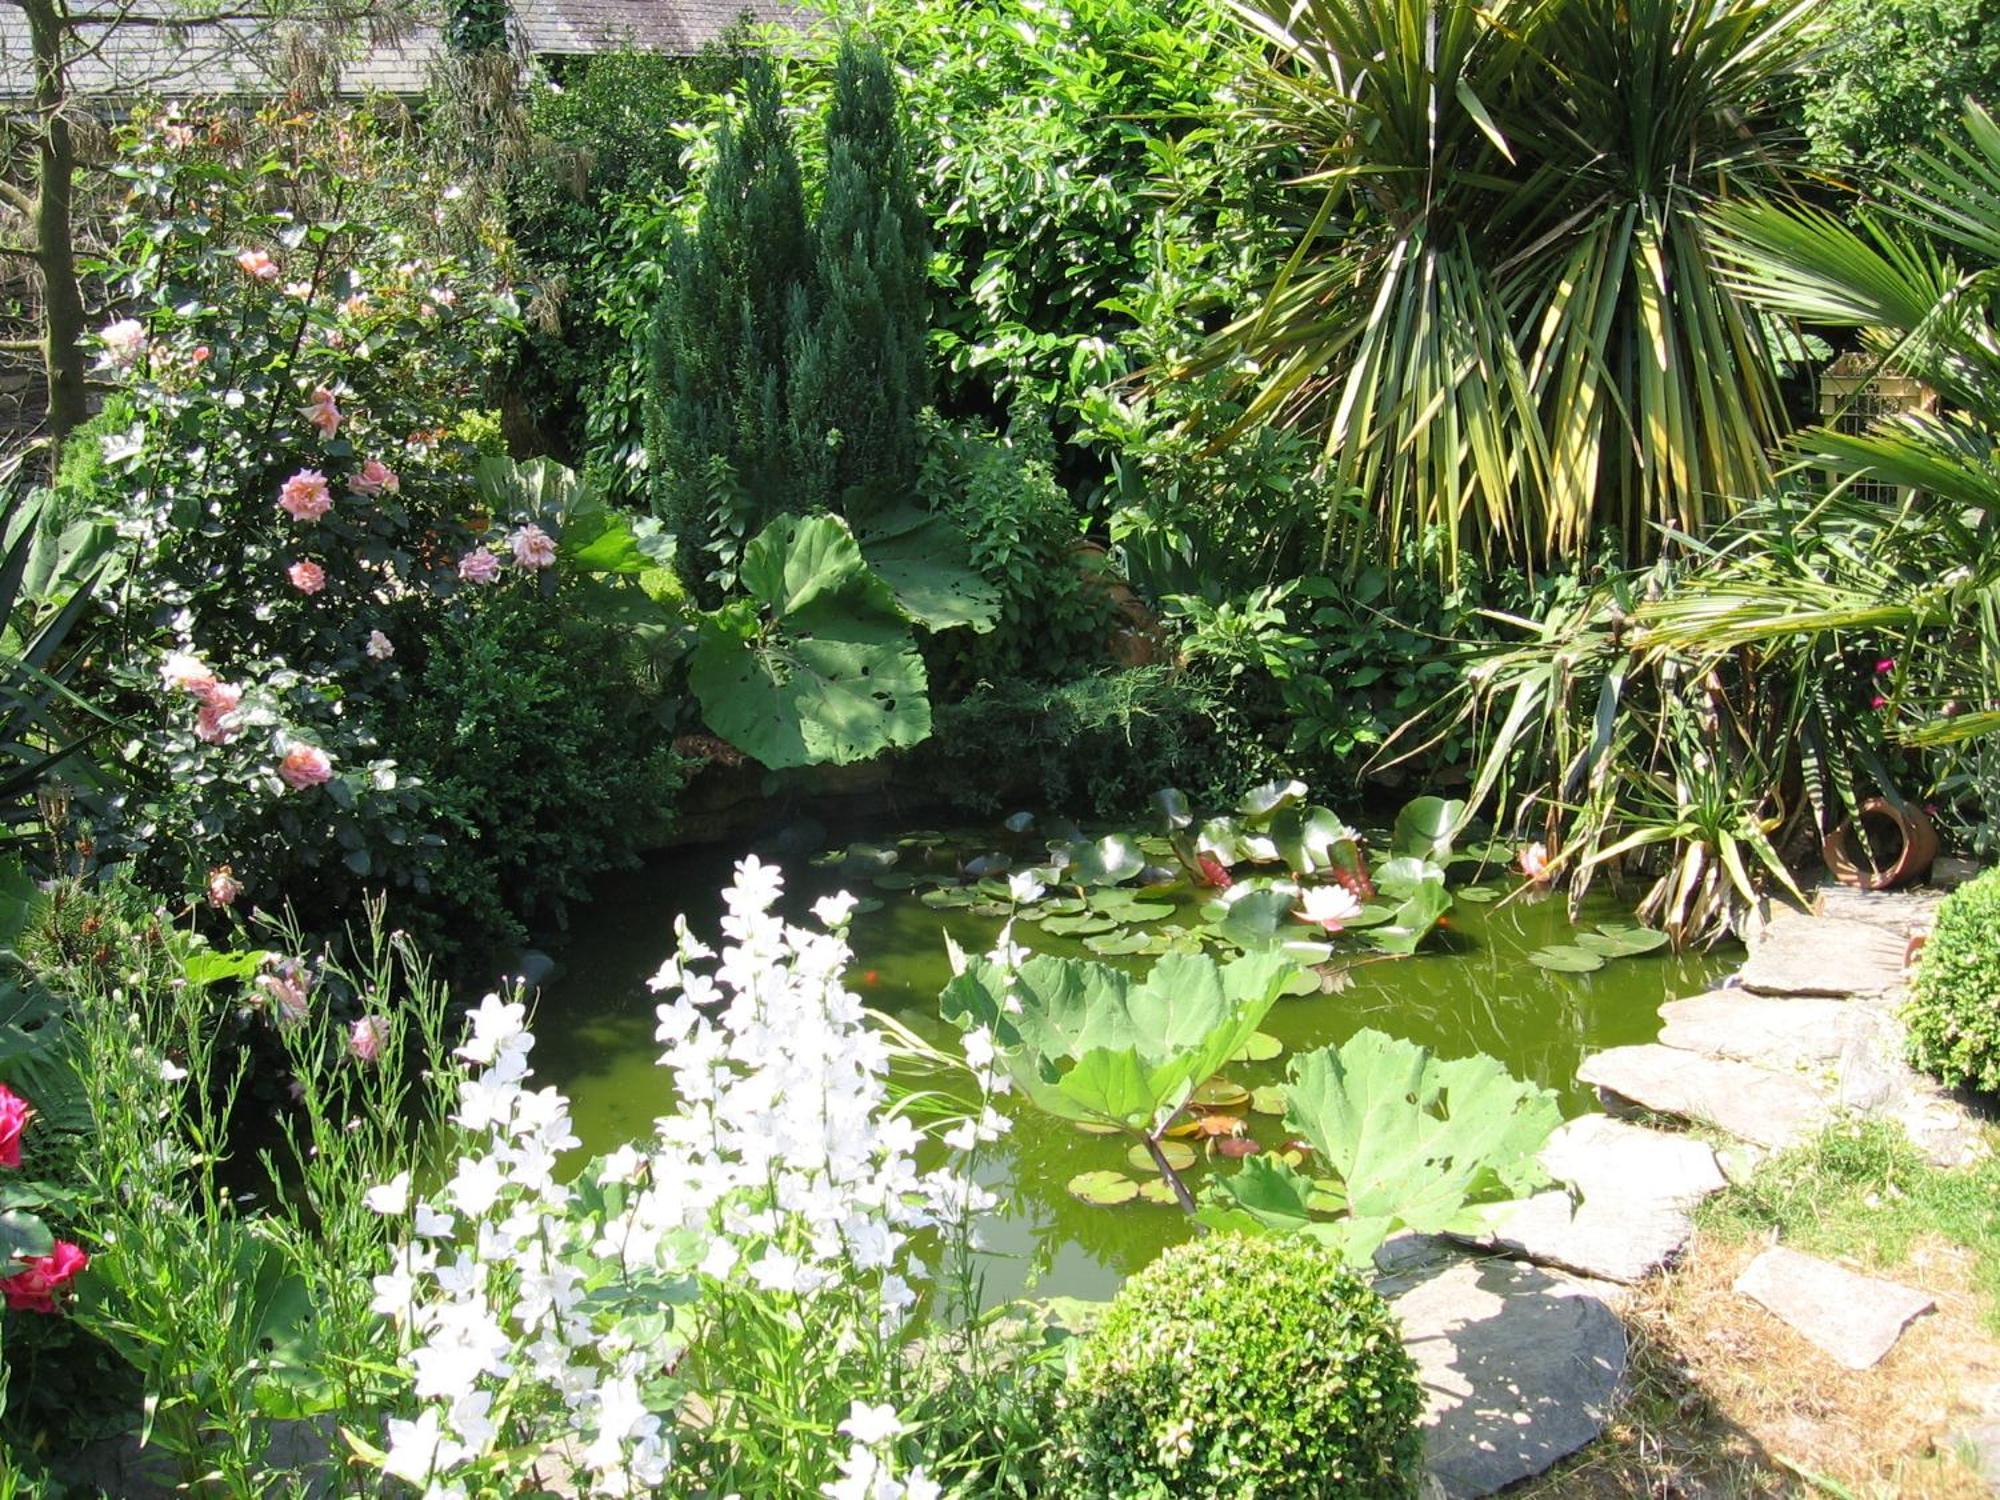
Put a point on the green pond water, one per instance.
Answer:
(1471, 990)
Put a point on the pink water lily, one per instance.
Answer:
(1330, 906)
(1535, 863)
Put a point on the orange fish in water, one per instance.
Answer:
(873, 976)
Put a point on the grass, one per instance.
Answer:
(1861, 1192)
(1725, 1402)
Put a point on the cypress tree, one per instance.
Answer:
(726, 316)
(862, 373)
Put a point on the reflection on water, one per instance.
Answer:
(1476, 993)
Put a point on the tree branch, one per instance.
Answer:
(23, 252)
(19, 198)
(20, 346)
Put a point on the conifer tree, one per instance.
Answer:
(861, 375)
(729, 310)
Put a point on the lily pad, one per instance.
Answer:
(1083, 925)
(1096, 1127)
(1478, 895)
(1269, 1100)
(991, 908)
(1172, 805)
(1113, 858)
(1126, 906)
(1159, 1190)
(1179, 1154)
(1564, 958)
(1621, 939)
(951, 898)
(1126, 944)
(1019, 822)
(1261, 802)
(1261, 1047)
(1220, 1093)
(1103, 1189)
(1305, 982)
(898, 882)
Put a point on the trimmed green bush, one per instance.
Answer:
(1237, 1367)
(1954, 1011)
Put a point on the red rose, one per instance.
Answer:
(34, 1290)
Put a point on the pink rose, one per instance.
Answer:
(257, 265)
(223, 887)
(305, 765)
(199, 356)
(323, 412)
(124, 342)
(479, 566)
(15, 1112)
(380, 647)
(187, 672)
(534, 548)
(306, 496)
(34, 1290)
(223, 697)
(374, 478)
(367, 1038)
(214, 726)
(307, 577)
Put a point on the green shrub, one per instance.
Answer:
(1954, 1012)
(1233, 1367)
(1891, 74)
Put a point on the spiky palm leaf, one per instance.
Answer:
(1504, 319)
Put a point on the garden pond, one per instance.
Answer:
(1471, 987)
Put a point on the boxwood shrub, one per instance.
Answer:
(1954, 1010)
(1237, 1367)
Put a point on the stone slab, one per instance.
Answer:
(1791, 1032)
(1979, 1447)
(1521, 1366)
(1766, 1108)
(1800, 954)
(1856, 1319)
(1629, 1210)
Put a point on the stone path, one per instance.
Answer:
(1806, 1033)
(1855, 1318)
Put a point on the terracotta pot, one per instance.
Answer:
(1903, 828)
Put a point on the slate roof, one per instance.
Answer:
(237, 58)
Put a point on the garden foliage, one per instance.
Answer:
(1954, 1010)
(1237, 1366)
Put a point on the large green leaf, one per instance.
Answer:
(927, 565)
(818, 666)
(1088, 1042)
(1425, 828)
(1415, 1141)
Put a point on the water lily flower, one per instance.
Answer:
(1329, 906)
(379, 646)
(305, 766)
(307, 577)
(35, 1289)
(15, 1112)
(223, 887)
(479, 567)
(1535, 863)
(533, 547)
(257, 265)
(323, 412)
(1024, 889)
(306, 496)
(373, 478)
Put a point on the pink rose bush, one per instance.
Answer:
(785, 1186)
(533, 548)
(307, 576)
(374, 478)
(305, 766)
(479, 567)
(323, 412)
(43, 1278)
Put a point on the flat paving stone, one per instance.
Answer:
(1769, 1109)
(1856, 1319)
(1629, 1210)
(1521, 1366)
(1782, 1032)
(1800, 954)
